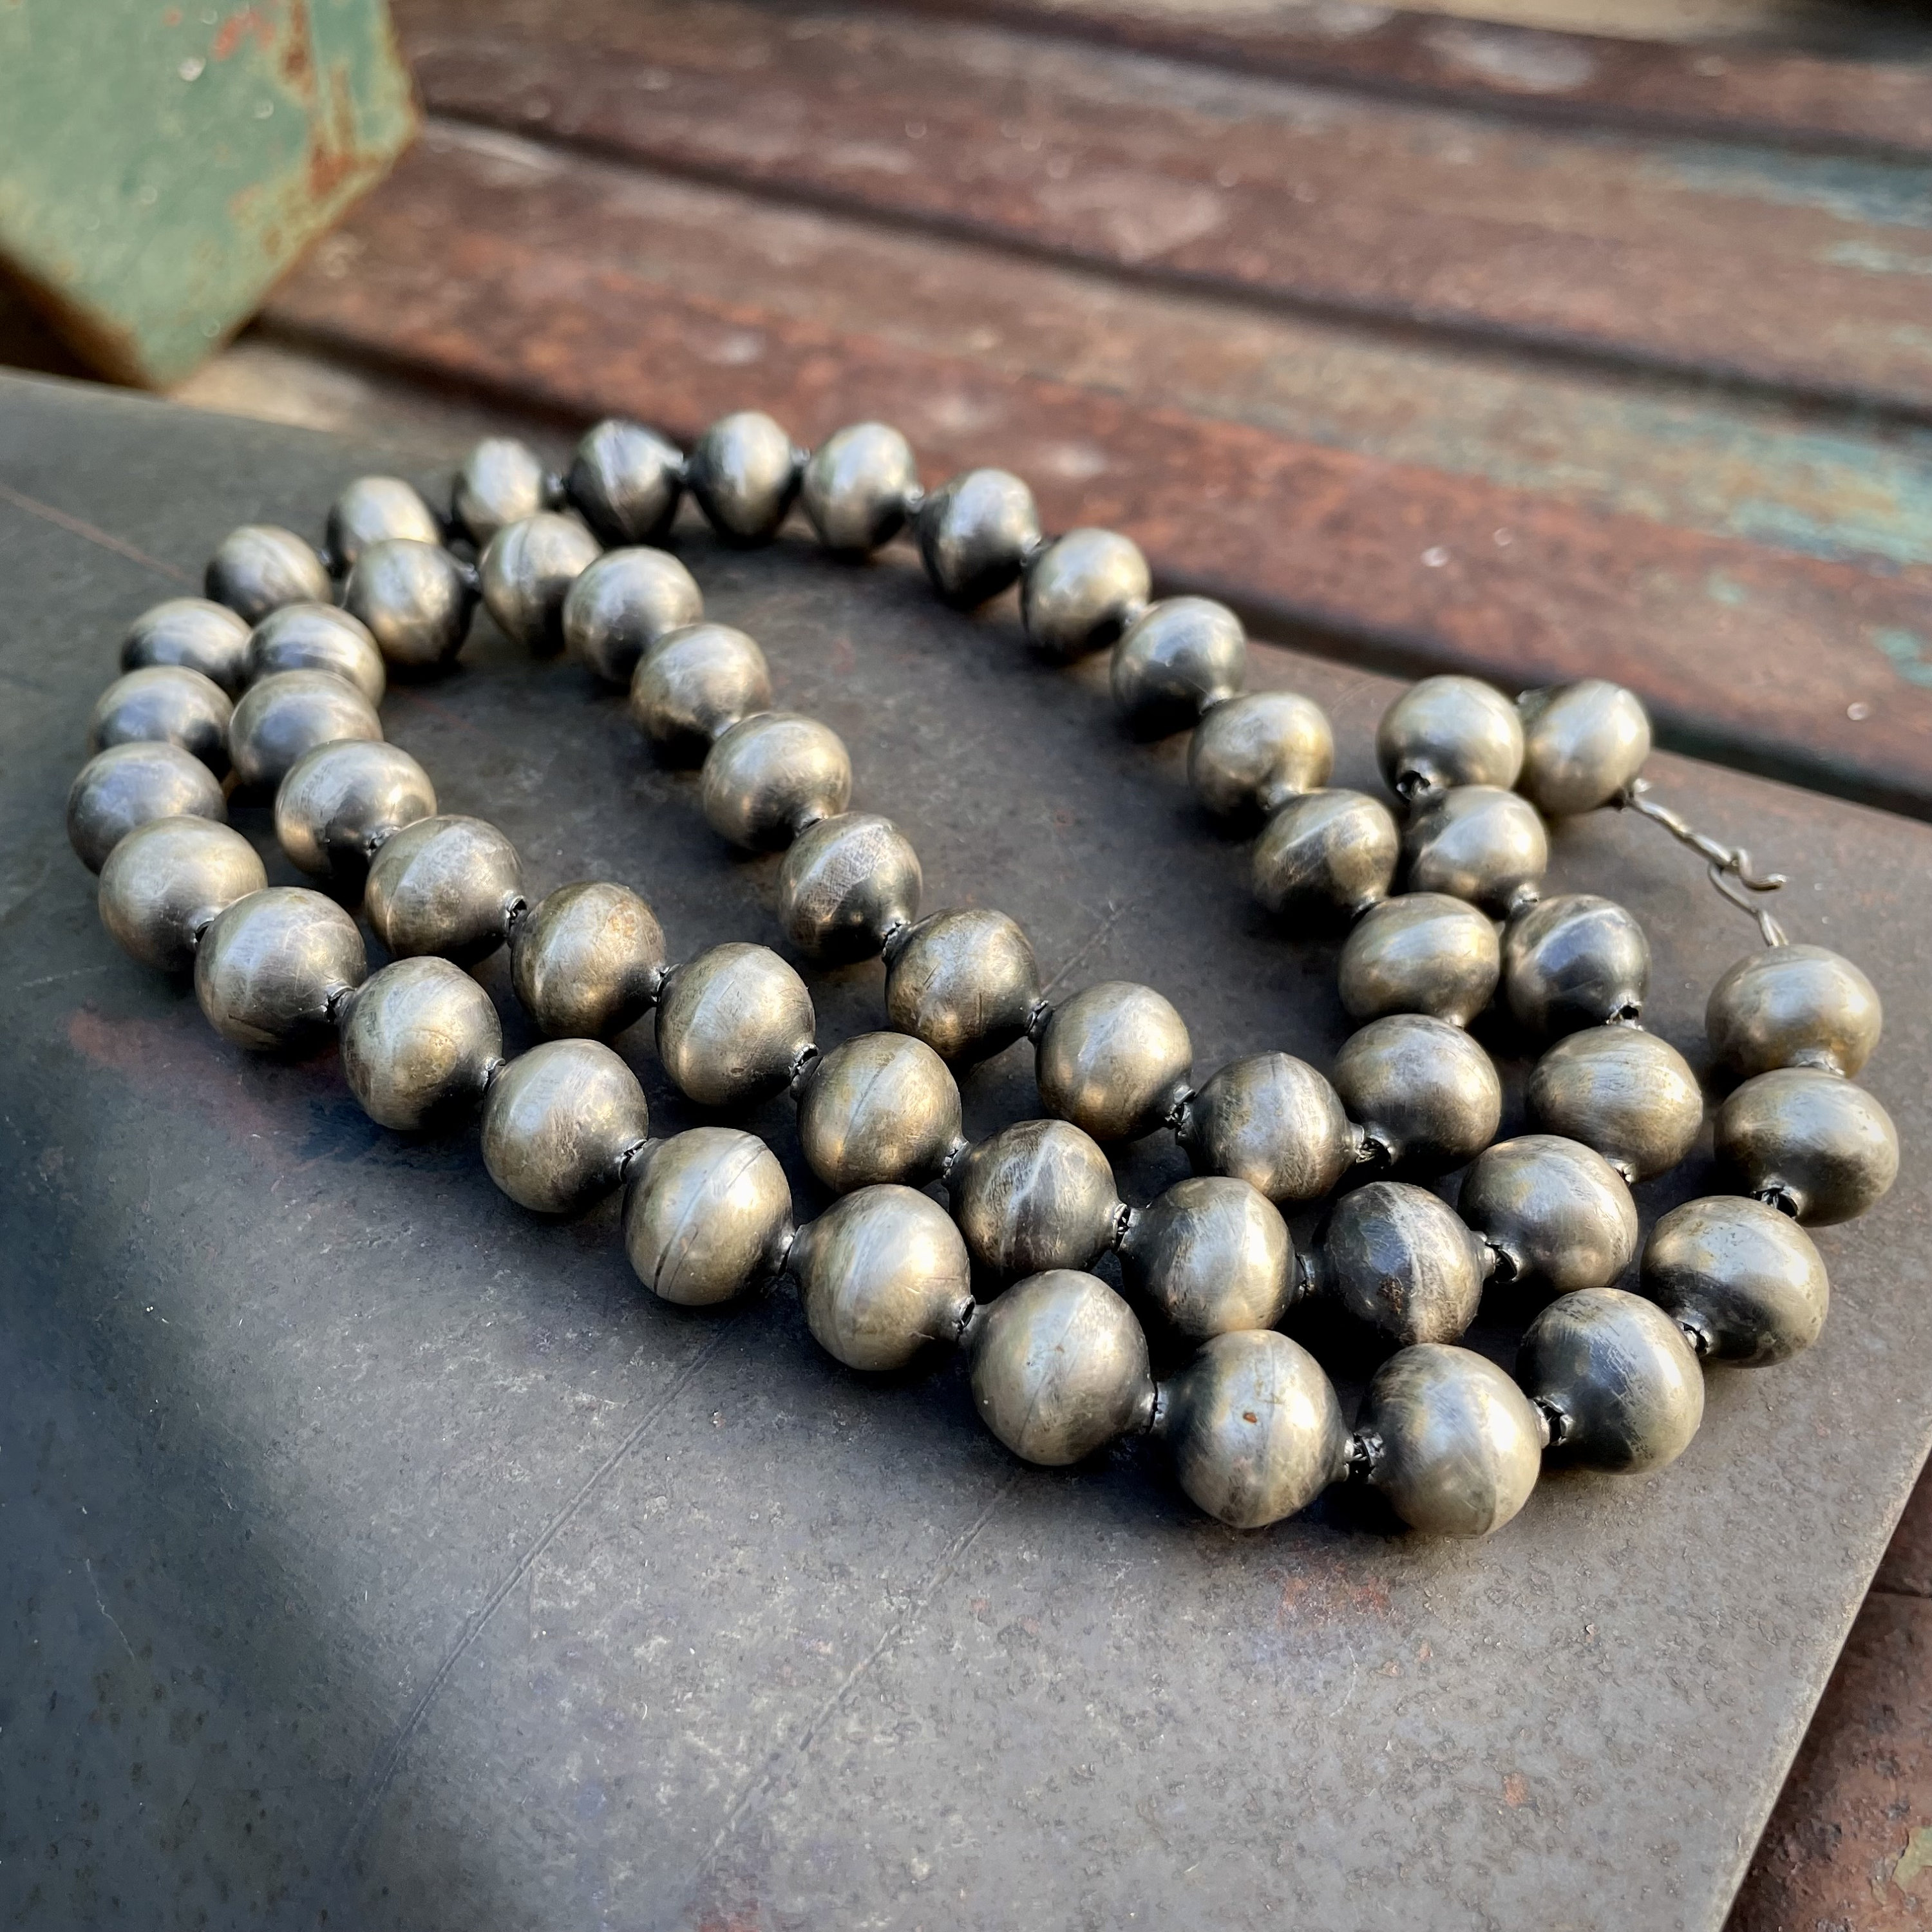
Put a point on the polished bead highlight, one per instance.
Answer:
(527, 571)
(1620, 1381)
(858, 488)
(1081, 591)
(1179, 659)
(1249, 756)
(165, 880)
(625, 482)
(1448, 731)
(1211, 1255)
(1793, 1006)
(561, 1123)
(847, 886)
(587, 960)
(694, 684)
(132, 784)
(1328, 855)
(1423, 1090)
(1573, 961)
(1821, 1147)
(882, 1275)
(164, 705)
(707, 1217)
(733, 1025)
(318, 637)
(622, 604)
(966, 982)
(1477, 843)
(342, 801)
(882, 1107)
(1558, 1216)
(450, 885)
(271, 970)
(195, 633)
(285, 716)
(1037, 1195)
(260, 567)
(1583, 743)
(975, 535)
(502, 481)
(1421, 953)
(1115, 1059)
(375, 509)
(419, 1040)
(415, 599)
(1745, 1282)
(1623, 1091)
(744, 472)
(765, 780)
(1397, 1258)
(1273, 1121)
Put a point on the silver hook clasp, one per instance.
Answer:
(1729, 866)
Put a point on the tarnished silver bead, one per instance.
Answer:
(527, 571)
(419, 1040)
(1254, 1428)
(1823, 1149)
(194, 632)
(415, 599)
(708, 1215)
(1793, 1006)
(1451, 1442)
(1272, 1121)
(881, 1107)
(1212, 1255)
(132, 784)
(1557, 1215)
(281, 718)
(260, 567)
(165, 704)
(848, 883)
(1618, 1383)
(341, 801)
(1114, 1059)
(1423, 1090)
(882, 1274)
(561, 1124)
(450, 884)
(1745, 1282)
(1327, 854)
(1448, 731)
(1396, 1257)
(1421, 953)
(318, 637)
(694, 684)
(744, 472)
(1623, 1091)
(734, 1025)
(1249, 756)
(766, 778)
(1059, 1367)
(502, 481)
(975, 535)
(1573, 961)
(966, 982)
(1082, 591)
(1179, 659)
(1583, 744)
(1477, 843)
(375, 509)
(624, 480)
(1037, 1195)
(271, 969)
(858, 488)
(587, 960)
(620, 605)
(166, 880)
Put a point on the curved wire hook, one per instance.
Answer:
(1729, 866)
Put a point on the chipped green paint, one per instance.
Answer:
(1915, 1861)
(1890, 194)
(1722, 589)
(1910, 657)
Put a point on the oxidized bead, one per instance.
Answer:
(858, 486)
(502, 482)
(277, 721)
(419, 1040)
(1793, 1006)
(1082, 591)
(414, 599)
(1477, 843)
(1037, 1195)
(165, 704)
(1557, 1215)
(1272, 1121)
(194, 632)
(1115, 1060)
(744, 472)
(848, 883)
(1452, 1442)
(1573, 961)
(966, 982)
(1623, 1091)
(1213, 1255)
(132, 784)
(1448, 731)
(1824, 1149)
(341, 801)
(1620, 1384)
(624, 480)
(1422, 952)
(1254, 1428)
(882, 1274)
(708, 1215)
(271, 969)
(1583, 744)
(376, 509)
(260, 567)
(1177, 660)
(528, 570)
(694, 684)
(620, 605)
(1746, 1282)
(587, 960)
(449, 884)
(1328, 854)
(1398, 1258)
(1059, 1367)
(318, 637)
(166, 880)
(975, 535)
(1423, 1090)
(881, 1107)
(561, 1124)
(734, 1025)
(767, 778)
(1252, 755)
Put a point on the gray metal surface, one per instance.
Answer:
(373, 1549)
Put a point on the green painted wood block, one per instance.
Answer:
(163, 161)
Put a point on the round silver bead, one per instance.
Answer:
(1573, 961)
(708, 1215)
(1059, 1367)
(1477, 843)
(341, 801)
(744, 472)
(1272, 1121)
(502, 482)
(1397, 1258)
(195, 633)
(848, 883)
(1249, 756)
(1558, 1216)
(1618, 1382)
(1423, 1090)
(278, 720)
(766, 778)
(858, 485)
(318, 637)
(419, 1040)
(624, 480)
(1825, 1149)
(1082, 591)
(694, 684)
(1447, 731)
(375, 509)
(449, 885)
(1327, 854)
(1180, 659)
(133, 784)
(1422, 952)
(734, 1025)
(1453, 1444)
(1213, 1255)
(1583, 744)
(166, 880)
(620, 606)
(1254, 1428)
(1115, 1059)
(1037, 1195)
(561, 1124)
(260, 567)
(415, 599)
(1793, 1006)
(587, 960)
(271, 970)
(527, 571)
(1745, 1281)
(975, 535)
(165, 704)
(882, 1274)
(966, 982)
(880, 1108)
(1623, 1091)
